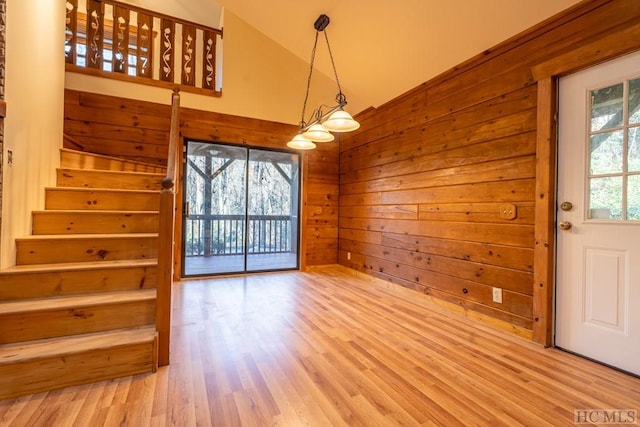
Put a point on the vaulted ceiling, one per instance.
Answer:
(382, 48)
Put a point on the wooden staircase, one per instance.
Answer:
(80, 305)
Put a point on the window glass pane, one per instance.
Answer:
(605, 198)
(606, 107)
(606, 153)
(634, 101)
(634, 150)
(633, 197)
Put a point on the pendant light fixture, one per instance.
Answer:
(324, 119)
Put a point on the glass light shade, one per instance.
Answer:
(318, 133)
(340, 121)
(299, 142)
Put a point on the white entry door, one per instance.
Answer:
(598, 236)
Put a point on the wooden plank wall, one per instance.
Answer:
(427, 183)
(139, 130)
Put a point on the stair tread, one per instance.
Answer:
(101, 212)
(104, 156)
(92, 189)
(76, 301)
(67, 266)
(106, 172)
(59, 346)
(84, 236)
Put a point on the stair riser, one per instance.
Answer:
(50, 251)
(75, 160)
(26, 326)
(51, 284)
(34, 376)
(107, 179)
(94, 222)
(96, 200)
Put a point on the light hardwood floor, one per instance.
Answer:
(331, 348)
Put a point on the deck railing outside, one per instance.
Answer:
(207, 235)
(125, 42)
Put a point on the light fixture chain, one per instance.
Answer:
(333, 64)
(306, 95)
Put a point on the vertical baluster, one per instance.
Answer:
(218, 232)
(167, 54)
(224, 237)
(95, 33)
(145, 46)
(71, 32)
(199, 236)
(251, 243)
(121, 39)
(188, 55)
(192, 236)
(209, 60)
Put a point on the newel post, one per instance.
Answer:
(165, 239)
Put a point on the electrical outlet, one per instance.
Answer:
(497, 295)
(348, 256)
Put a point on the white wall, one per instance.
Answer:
(261, 80)
(33, 127)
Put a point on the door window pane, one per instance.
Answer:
(273, 210)
(606, 153)
(215, 193)
(634, 150)
(606, 107)
(633, 197)
(605, 198)
(614, 152)
(634, 101)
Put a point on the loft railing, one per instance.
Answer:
(207, 235)
(166, 245)
(116, 40)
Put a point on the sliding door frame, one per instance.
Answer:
(298, 203)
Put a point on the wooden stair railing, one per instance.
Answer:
(166, 234)
(115, 40)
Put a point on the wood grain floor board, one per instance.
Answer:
(333, 348)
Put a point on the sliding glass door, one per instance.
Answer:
(241, 210)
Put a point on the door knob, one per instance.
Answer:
(564, 225)
(566, 206)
